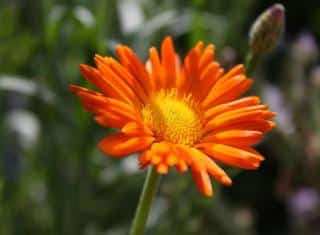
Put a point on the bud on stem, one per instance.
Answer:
(265, 34)
(267, 29)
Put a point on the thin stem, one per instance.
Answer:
(252, 60)
(149, 190)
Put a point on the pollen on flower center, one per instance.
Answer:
(173, 119)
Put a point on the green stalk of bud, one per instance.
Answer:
(267, 29)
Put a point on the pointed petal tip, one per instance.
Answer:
(199, 46)
(73, 88)
(256, 99)
(120, 49)
(182, 166)
(272, 124)
(256, 165)
(168, 38)
(152, 48)
(86, 70)
(172, 160)
(226, 180)
(83, 66)
(240, 67)
(273, 114)
(162, 169)
(207, 190)
(98, 57)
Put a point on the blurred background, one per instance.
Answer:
(54, 180)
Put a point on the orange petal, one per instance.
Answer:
(121, 108)
(203, 182)
(118, 83)
(182, 166)
(168, 61)
(242, 110)
(208, 77)
(207, 56)
(253, 151)
(199, 46)
(227, 91)
(199, 172)
(134, 65)
(232, 156)
(122, 145)
(161, 147)
(161, 155)
(157, 74)
(110, 119)
(200, 161)
(120, 72)
(105, 85)
(222, 108)
(255, 125)
(77, 89)
(224, 122)
(102, 105)
(136, 129)
(155, 159)
(236, 70)
(191, 69)
(144, 159)
(234, 137)
(172, 159)
(162, 168)
(217, 172)
(272, 124)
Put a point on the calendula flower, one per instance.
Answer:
(179, 114)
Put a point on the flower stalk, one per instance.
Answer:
(251, 62)
(148, 192)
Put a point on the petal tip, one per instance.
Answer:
(73, 88)
(168, 38)
(226, 181)
(208, 193)
(162, 169)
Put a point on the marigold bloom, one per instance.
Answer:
(177, 114)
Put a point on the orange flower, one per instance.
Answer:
(181, 115)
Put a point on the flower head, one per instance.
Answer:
(266, 31)
(180, 114)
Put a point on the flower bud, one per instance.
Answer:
(267, 29)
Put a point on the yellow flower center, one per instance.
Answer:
(172, 118)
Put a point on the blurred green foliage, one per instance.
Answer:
(53, 178)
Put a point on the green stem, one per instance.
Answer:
(252, 60)
(149, 190)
